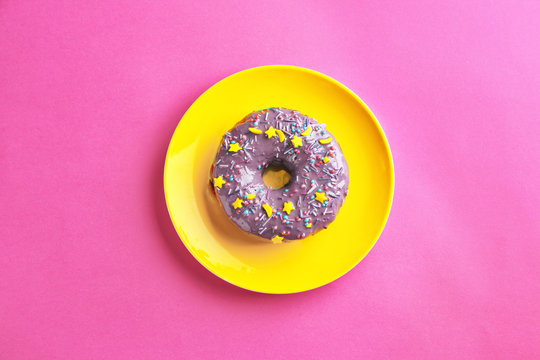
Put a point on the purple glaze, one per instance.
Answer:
(242, 172)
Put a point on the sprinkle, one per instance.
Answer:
(287, 133)
(237, 203)
(281, 135)
(296, 141)
(277, 239)
(218, 182)
(307, 131)
(320, 197)
(268, 209)
(288, 207)
(250, 196)
(326, 141)
(266, 221)
(271, 132)
(234, 147)
(255, 131)
(326, 159)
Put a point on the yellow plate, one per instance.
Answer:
(232, 254)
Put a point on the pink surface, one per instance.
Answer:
(90, 94)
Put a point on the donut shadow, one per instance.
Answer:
(220, 225)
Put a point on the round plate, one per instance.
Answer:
(232, 254)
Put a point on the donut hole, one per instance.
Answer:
(275, 176)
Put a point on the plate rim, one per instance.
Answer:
(180, 232)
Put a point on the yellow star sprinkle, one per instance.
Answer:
(307, 131)
(250, 196)
(277, 239)
(320, 197)
(308, 225)
(255, 130)
(237, 203)
(326, 159)
(297, 142)
(325, 141)
(281, 135)
(218, 182)
(270, 132)
(235, 147)
(288, 207)
(268, 210)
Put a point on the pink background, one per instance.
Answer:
(90, 265)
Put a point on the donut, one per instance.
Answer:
(303, 147)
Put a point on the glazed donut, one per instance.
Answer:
(319, 176)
